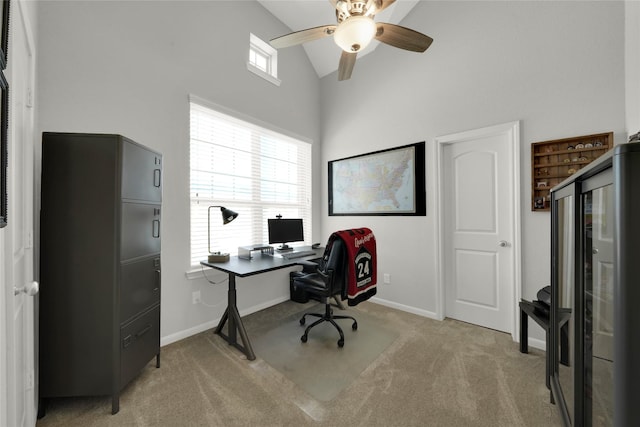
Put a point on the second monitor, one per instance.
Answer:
(285, 231)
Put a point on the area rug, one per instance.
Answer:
(319, 366)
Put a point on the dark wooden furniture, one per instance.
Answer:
(554, 161)
(538, 312)
(595, 292)
(239, 267)
(99, 264)
(541, 315)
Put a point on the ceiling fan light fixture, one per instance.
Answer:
(355, 33)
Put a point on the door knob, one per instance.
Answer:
(503, 243)
(30, 289)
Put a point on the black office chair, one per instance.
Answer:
(328, 280)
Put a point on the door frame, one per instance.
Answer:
(20, 21)
(3, 332)
(513, 129)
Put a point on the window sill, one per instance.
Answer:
(194, 273)
(266, 76)
(200, 272)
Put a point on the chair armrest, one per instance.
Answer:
(318, 283)
(326, 275)
(308, 266)
(306, 263)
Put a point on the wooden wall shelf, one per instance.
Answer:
(554, 161)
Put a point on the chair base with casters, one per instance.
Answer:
(328, 316)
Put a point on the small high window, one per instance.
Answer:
(263, 60)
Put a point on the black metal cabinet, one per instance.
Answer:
(139, 287)
(99, 318)
(595, 294)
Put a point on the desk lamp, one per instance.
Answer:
(227, 216)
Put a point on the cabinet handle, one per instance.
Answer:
(156, 177)
(156, 228)
(143, 331)
(157, 288)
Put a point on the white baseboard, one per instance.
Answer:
(537, 343)
(402, 307)
(169, 339)
(533, 342)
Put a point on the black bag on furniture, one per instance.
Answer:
(297, 293)
(300, 295)
(544, 295)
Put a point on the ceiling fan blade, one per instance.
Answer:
(347, 61)
(403, 38)
(381, 5)
(303, 36)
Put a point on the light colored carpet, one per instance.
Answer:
(319, 366)
(435, 373)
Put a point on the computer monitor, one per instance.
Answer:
(284, 231)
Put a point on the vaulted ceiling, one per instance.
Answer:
(324, 54)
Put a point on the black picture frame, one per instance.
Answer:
(4, 154)
(390, 190)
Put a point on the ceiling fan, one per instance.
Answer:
(355, 30)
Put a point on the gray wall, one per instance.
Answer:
(128, 68)
(632, 65)
(556, 66)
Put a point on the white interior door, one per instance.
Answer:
(478, 194)
(18, 390)
(602, 234)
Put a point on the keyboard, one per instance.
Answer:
(298, 254)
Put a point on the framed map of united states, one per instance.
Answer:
(386, 182)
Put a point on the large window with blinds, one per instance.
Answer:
(249, 169)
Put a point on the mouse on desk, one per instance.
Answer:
(315, 246)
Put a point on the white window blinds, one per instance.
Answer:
(249, 169)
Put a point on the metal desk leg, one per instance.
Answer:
(232, 315)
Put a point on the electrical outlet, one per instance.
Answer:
(387, 279)
(195, 297)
